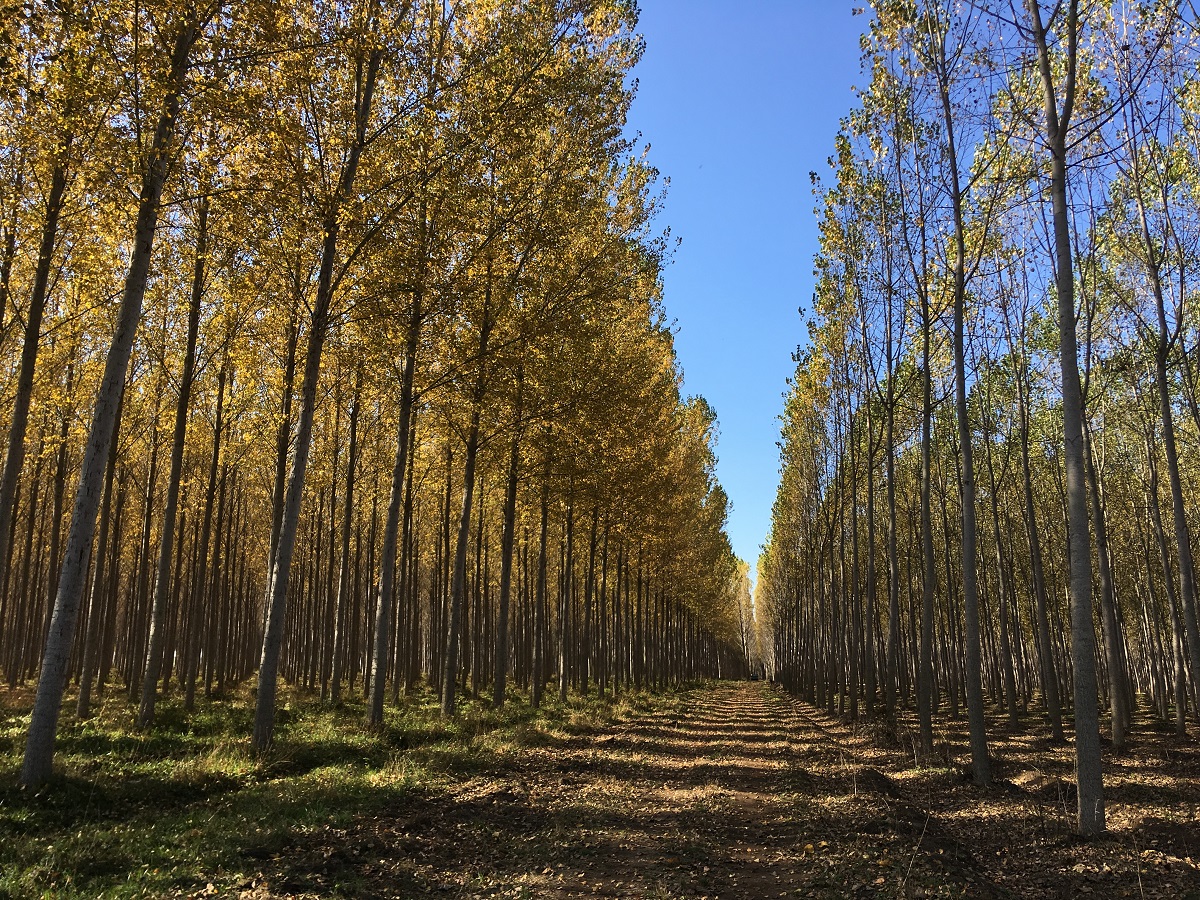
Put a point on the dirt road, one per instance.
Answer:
(730, 792)
(717, 795)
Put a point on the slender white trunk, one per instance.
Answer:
(391, 528)
(39, 748)
(1089, 775)
(277, 584)
(162, 578)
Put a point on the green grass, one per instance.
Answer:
(184, 804)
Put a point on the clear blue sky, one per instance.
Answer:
(739, 101)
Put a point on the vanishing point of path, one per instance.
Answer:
(731, 792)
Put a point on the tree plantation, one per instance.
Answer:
(360, 535)
(340, 325)
(989, 458)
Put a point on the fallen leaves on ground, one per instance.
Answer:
(740, 792)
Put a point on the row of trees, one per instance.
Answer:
(990, 442)
(342, 321)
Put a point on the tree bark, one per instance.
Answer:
(391, 528)
(507, 540)
(14, 459)
(341, 607)
(1164, 341)
(199, 593)
(1118, 684)
(970, 577)
(539, 605)
(39, 749)
(458, 584)
(162, 578)
(277, 583)
(929, 572)
(1089, 777)
(1049, 670)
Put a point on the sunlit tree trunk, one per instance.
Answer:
(162, 579)
(377, 681)
(1088, 773)
(281, 564)
(39, 748)
(969, 559)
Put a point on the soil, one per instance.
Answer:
(738, 791)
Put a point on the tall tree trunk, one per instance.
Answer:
(217, 600)
(94, 638)
(140, 621)
(853, 593)
(277, 583)
(199, 592)
(60, 490)
(539, 605)
(565, 605)
(8, 251)
(929, 572)
(283, 434)
(458, 586)
(1089, 776)
(1183, 540)
(112, 589)
(162, 578)
(1045, 650)
(342, 605)
(1165, 341)
(1006, 661)
(411, 577)
(478, 592)
(871, 614)
(327, 626)
(14, 459)
(506, 548)
(39, 748)
(1118, 685)
(970, 577)
(585, 654)
(377, 681)
(892, 678)
(1177, 630)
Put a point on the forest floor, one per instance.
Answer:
(727, 791)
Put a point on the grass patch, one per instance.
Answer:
(184, 804)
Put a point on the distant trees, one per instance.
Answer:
(1010, 193)
(387, 393)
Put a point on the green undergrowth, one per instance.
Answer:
(173, 809)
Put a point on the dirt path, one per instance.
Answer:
(740, 792)
(730, 793)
